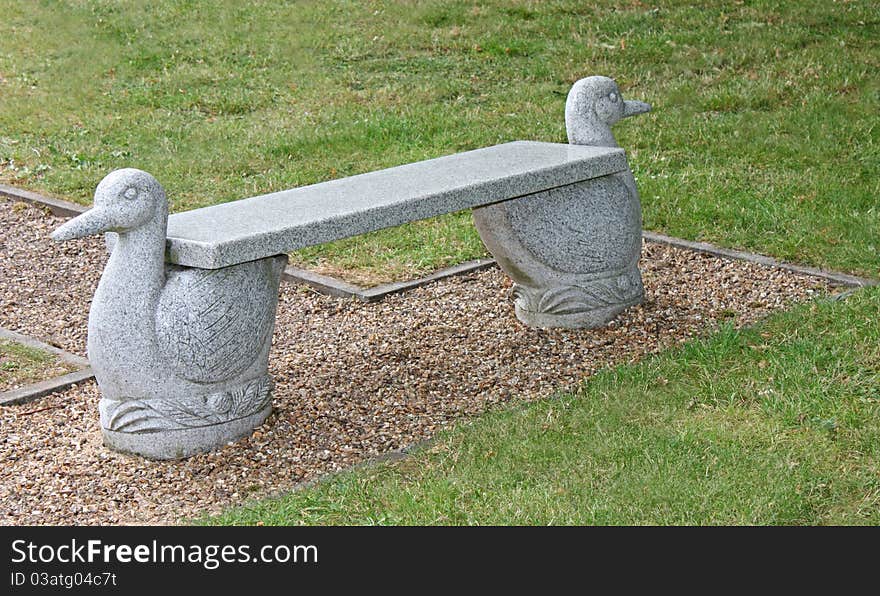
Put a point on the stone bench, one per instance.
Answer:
(181, 323)
(281, 222)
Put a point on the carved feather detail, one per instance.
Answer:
(211, 324)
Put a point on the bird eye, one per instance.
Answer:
(613, 97)
(130, 193)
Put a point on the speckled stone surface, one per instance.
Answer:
(573, 251)
(280, 222)
(180, 354)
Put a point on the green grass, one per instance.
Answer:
(764, 134)
(399, 253)
(778, 424)
(23, 365)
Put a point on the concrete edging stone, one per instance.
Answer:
(41, 389)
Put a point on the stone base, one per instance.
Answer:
(582, 320)
(177, 444)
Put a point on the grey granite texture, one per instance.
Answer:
(573, 251)
(593, 106)
(280, 222)
(173, 349)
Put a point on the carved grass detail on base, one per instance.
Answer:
(156, 415)
(618, 289)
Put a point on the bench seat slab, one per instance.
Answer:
(281, 222)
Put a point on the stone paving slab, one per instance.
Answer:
(56, 206)
(334, 286)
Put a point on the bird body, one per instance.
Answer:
(173, 348)
(573, 251)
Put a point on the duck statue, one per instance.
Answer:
(180, 354)
(573, 251)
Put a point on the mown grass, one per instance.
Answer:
(397, 254)
(764, 133)
(777, 424)
(22, 365)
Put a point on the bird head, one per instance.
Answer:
(124, 200)
(594, 104)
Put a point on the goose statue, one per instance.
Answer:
(573, 251)
(180, 354)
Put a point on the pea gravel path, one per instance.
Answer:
(353, 380)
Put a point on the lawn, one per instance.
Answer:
(23, 365)
(762, 136)
(776, 424)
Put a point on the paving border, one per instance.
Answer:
(372, 462)
(842, 279)
(43, 388)
(56, 206)
(337, 287)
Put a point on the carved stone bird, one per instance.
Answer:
(174, 349)
(573, 251)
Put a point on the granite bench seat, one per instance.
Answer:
(281, 222)
(181, 323)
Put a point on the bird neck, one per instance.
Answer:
(122, 320)
(138, 260)
(588, 133)
(129, 289)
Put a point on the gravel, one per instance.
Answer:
(353, 380)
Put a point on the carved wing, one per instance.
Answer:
(587, 227)
(212, 324)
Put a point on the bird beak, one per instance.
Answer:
(93, 221)
(632, 107)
